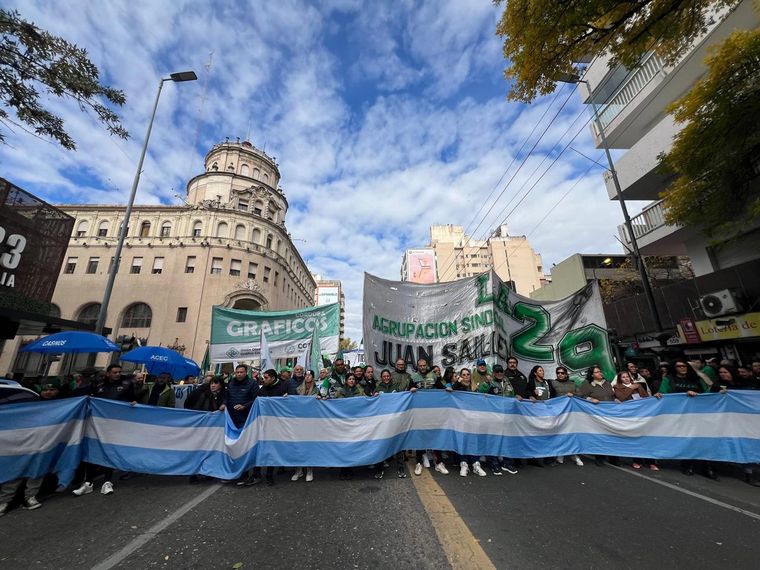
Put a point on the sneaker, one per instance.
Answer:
(654, 467)
(85, 489)
(107, 488)
(560, 460)
(509, 469)
(379, 474)
(30, 504)
(496, 472)
(297, 475)
(441, 468)
(636, 465)
(425, 461)
(578, 461)
(418, 469)
(463, 469)
(401, 473)
(478, 470)
(3, 508)
(309, 475)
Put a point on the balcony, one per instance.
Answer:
(653, 235)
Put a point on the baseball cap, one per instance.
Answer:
(480, 362)
(498, 368)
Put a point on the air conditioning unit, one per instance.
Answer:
(719, 303)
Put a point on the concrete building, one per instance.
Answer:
(633, 112)
(512, 257)
(573, 273)
(228, 245)
(330, 291)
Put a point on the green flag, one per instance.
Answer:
(315, 353)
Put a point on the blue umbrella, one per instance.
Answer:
(158, 360)
(71, 342)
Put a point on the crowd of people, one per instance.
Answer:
(236, 395)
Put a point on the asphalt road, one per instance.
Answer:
(553, 517)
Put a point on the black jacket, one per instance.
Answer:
(243, 393)
(122, 390)
(279, 388)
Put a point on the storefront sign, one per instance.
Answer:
(724, 328)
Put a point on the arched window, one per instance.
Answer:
(166, 229)
(244, 170)
(266, 178)
(256, 173)
(269, 241)
(221, 229)
(197, 228)
(240, 232)
(137, 316)
(256, 235)
(82, 228)
(103, 229)
(145, 229)
(55, 311)
(279, 246)
(89, 314)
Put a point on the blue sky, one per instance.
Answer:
(385, 118)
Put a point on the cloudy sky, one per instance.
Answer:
(385, 118)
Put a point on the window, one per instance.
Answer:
(258, 207)
(279, 246)
(197, 229)
(240, 232)
(256, 236)
(136, 265)
(92, 265)
(243, 205)
(276, 277)
(252, 268)
(89, 314)
(269, 241)
(166, 229)
(266, 274)
(235, 265)
(181, 314)
(137, 316)
(145, 229)
(256, 173)
(216, 265)
(71, 265)
(190, 264)
(82, 228)
(245, 170)
(221, 230)
(158, 265)
(266, 177)
(103, 229)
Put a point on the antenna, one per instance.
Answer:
(202, 104)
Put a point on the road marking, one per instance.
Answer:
(690, 493)
(461, 548)
(161, 525)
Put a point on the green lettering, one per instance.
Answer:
(483, 296)
(525, 343)
(584, 347)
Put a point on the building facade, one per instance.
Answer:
(457, 255)
(228, 245)
(327, 292)
(419, 266)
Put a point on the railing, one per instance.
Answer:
(650, 68)
(651, 218)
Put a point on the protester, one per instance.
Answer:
(729, 378)
(516, 378)
(653, 383)
(424, 379)
(564, 386)
(539, 388)
(339, 371)
(465, 379)
(756, 370)
(239, 396)
(685, 380)
(480, 375)
(747, 378)
(207, 397)
(400, 377)
(351, 388)
(141, 388)
(299, 373)
(387, 386)
(498, 385)
(272, 386)
(460, 382)
(626, 390)
(162, 393)
(367, 380)
(597, 389)
(307, 388)
(114, 387)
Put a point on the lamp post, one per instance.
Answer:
(100, 324)
(637, 258)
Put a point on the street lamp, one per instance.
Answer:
(100, 324)
(637, 258)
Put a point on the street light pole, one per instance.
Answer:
(100, 324)
(637, 258)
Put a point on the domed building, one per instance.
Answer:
(228, 245)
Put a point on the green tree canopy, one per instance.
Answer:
(544, 39)
(716, 155)
(31, 60)
(347, 344)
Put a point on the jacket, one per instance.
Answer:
(141, 393)
(123, 391)
(383, 388)
(476, 379)
(402, 380)
(166, 398)
(564, 387)
(243, 393)
(496, 388)
(347, 392)
(624, 394)
(541, 390)
(603, 393)
(276, 388)
(519, 382)
(203, 399)
(303, 391)
(675, 385)
(429, 381)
